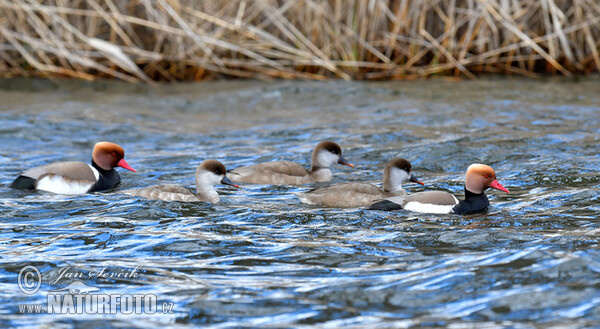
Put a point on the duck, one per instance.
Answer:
(208, 174)
(325, 154)
(479, 177)
(354, 195)
(75, 177)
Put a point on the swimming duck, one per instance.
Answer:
(325, 155)
(208, 174)
(73, 177)
(350, 195)
(479, 177)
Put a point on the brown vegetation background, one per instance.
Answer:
(182, 40)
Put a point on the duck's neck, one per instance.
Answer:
(394, 190)
(320, 174)
(393, 186)
(209, 197)
(205, 189)
(107, 179)
(102, 171)
(393, 179)
(472, 204)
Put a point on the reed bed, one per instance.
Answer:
(183, 40)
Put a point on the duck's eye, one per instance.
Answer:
(114, 154)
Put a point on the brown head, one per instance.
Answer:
(480, 177)
(326, 154)
(109, 155)
(210, 173)
(396, 172)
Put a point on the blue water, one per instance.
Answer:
(260, 258)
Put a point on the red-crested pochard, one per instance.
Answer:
(351, 195)
(208, 174)
(73, 177)
(325, 155)
(479, 177)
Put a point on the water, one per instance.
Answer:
(260, 258)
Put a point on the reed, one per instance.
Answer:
(182, 40)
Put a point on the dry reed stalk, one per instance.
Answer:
(172, 40)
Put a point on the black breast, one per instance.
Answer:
(472, 204)
(107, 180)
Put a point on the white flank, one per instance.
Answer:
(57, 184)
(96, 173)
(428, 208)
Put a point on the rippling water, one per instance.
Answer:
(261, 258)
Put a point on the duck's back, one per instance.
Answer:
(274, 173)
(348, 195)
(73, 170)
(167, 192)
(440, 198)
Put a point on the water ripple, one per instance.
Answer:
(263, 259)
